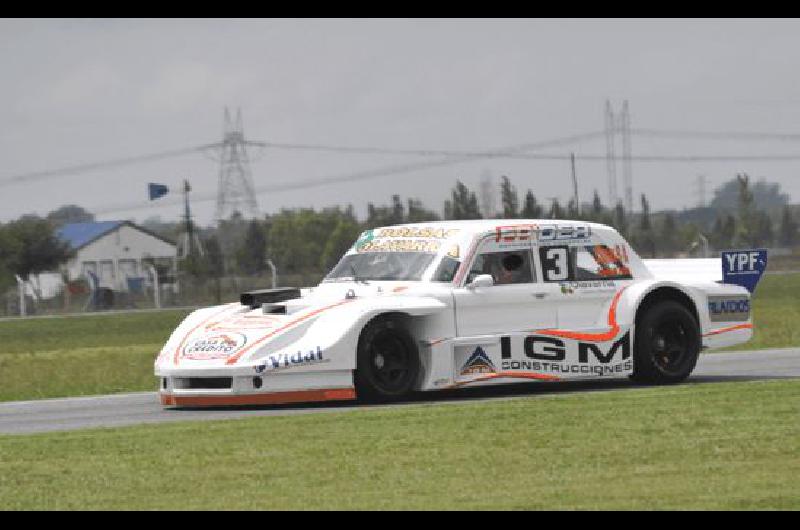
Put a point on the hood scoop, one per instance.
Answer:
(255, 299)
(274, 309)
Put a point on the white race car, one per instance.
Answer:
(442, 305)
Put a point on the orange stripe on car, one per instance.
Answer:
(272, 398)
(511, 375)
(236, 357)
(591, 337)
(729, 328)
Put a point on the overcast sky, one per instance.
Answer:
(81, 91)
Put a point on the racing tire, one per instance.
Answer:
(387, 362)
(667, 344)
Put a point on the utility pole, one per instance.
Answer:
(190, 240)
(575, 184)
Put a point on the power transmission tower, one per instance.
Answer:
(627, 170)
(619, 124)
(236, 192)
(611, 159)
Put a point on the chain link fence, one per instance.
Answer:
(77, 297)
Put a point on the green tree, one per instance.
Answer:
(762, 234)
(252, 255)
(598, 213)
(597, 206)
(386, 215)
(788, 231)
(70, 213)
(417, 213)
(746, 225)
(463, 204)
(509, 199)
(620, 220)
(644, 238)
(556, 211)
(646, 223)
(31, 247)
(766, 196)
(341, 239)
(531, 209)
(668, 240)
(723, 232)
(9, 248)
(299, 240)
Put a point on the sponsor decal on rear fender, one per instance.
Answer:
(728, 308)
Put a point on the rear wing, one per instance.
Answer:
(735, 267)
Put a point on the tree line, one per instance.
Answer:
(310, 241)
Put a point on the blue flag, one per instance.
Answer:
(156, 191)
(744, 267)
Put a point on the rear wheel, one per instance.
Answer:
(387, 364)
(667, 344)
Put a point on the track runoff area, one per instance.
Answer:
(116, 410)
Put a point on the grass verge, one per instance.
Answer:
(776, 313)
(699, 446)
(72, 356)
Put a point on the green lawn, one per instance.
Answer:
(71, 356)
(114, 353)
(776, 313)
(698, 446)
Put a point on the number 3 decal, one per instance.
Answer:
(555, 263)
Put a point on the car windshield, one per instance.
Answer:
(382, 266)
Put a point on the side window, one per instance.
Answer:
(506, 268)
(599, 262)
(593, 262)
(556, 263)
(446, 270)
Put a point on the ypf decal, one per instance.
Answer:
(744, 267)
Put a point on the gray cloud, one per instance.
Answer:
(89, 90)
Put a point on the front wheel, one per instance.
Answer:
(387, 364)
(667, 344)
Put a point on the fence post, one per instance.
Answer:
(21, 289)
(156, 288)
(274, 273)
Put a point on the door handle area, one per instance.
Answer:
(539, 296)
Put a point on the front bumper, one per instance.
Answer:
(268, 398)
(203, 389)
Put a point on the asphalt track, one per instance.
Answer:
(116, 410)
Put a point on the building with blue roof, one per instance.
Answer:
(116, 252)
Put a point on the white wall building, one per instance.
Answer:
(115, 251)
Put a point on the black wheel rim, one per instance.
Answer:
(670, 345)
(389, 363)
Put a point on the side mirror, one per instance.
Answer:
(482, 280)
